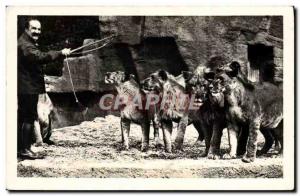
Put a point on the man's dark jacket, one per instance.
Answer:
(30, 65)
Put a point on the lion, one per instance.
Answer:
(173, 106)
(259, 107)
(43, 125)
(128, 88)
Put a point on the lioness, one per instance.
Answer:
(259, 107)
(211, 114)
(129, 89)
(42, 125)
(173, 106)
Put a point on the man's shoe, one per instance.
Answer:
(28, 154)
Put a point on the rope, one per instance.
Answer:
(71, 80)
(95, 42)
(87, 51)
(74, 52)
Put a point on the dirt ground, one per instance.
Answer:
(93, 149)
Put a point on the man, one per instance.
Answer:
(31, 83)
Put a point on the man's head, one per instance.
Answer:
(33, 29)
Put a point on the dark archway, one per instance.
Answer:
(160, 53)
(261, 58)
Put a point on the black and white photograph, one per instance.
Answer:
(119, 98)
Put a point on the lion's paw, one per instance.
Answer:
(213, 156)
(246, 159)
(198, 143)
(229, 156)
(125, 147)
(158, 143)
(277, 156)
(203, 154)
(144, 148)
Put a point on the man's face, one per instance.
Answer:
(34, 29)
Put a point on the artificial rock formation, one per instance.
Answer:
(146, 43)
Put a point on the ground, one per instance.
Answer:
(93, 149)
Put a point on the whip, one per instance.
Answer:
(74, 51)
(81, 107)
(110, 38)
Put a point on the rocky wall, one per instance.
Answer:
(146, 43)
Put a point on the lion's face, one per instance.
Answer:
(198, 86)
(224, 83)
(155, 81)
(216, 90)
(116, 77)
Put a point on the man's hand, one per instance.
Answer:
(66, 51)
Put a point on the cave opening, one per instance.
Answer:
(160, 53)
(261, 59)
